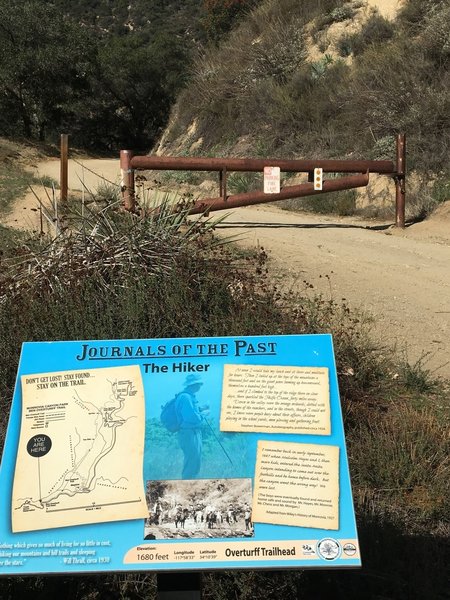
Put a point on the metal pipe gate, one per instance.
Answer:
(362, 168)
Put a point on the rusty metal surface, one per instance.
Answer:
(295, 191)
(223, 184)
(127, 180)
(400, 180)
(225, 165)
(175, 163)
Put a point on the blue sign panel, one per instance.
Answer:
(176, 454)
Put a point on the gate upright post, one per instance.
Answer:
(400, 179)
(64, 169)
(223, 183)
(127, 180)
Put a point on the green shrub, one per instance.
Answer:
(435, 37)
(336, 15)
(341, 13)
(416, 377)
(391, 90)
(384, 148)
(441, 190)
(239, 183)
(342, 203)
(107, 193)
(319, 68)
(181, 177)
(220, 16)
(345, 45)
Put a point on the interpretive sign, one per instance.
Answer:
(176, 454)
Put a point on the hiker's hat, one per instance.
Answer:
(193, 379)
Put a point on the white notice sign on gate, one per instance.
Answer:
(271, 180)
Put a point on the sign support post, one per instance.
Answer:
(179, 586)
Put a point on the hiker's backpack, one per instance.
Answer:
(169, 415)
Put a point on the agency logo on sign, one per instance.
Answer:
(308, 550)
(329, 549)
(349, 549)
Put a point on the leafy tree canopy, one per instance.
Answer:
(45, 62)
(107, 72)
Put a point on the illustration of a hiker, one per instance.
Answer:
(183, 415)
(190, 426)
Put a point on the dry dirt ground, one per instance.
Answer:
(83, 175)
(401, 277)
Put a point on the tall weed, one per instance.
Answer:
(405, 466)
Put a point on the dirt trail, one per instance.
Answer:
(84, 173)
(401, 277)
(87, 174)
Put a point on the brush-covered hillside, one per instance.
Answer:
(325, 79)
(106, 72)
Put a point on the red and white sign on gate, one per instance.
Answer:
(271, 180)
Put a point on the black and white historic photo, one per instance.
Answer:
(204, 508)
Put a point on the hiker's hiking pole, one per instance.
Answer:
(218, 441)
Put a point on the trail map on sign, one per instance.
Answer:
(81, 449)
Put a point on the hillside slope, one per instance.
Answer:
(328, 79)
